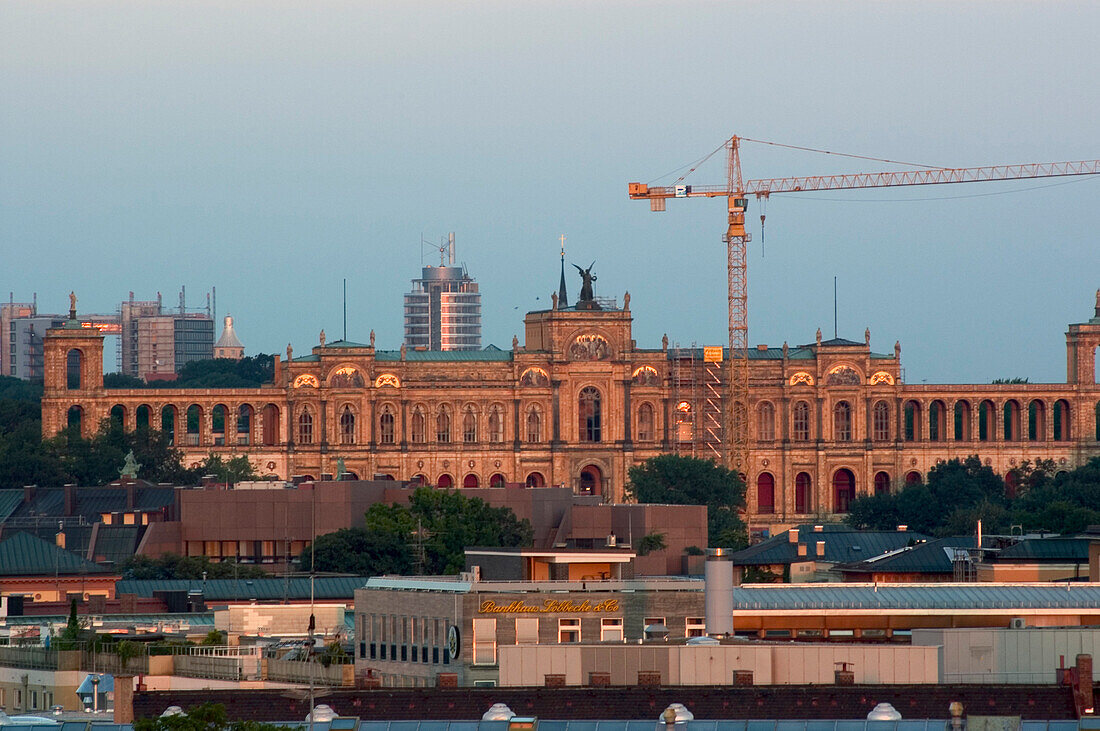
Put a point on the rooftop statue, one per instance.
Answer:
(130, 467)
(587, 277)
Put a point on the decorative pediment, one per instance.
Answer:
(802, 378)
(882, 377)
(590, 346)
(387, 379)
(534, 377)
(307, 380)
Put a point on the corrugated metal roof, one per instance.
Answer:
(9, 501)
(842, 545)
(116, 543)
(327, 587)
(924, 596)
(27, 555)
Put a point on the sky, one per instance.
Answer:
(273, 149)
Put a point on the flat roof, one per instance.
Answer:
(916, 597)
(460, 586)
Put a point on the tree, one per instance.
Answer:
(670, 478)
(651, 542)
(232, 470)
(439, 524)
(360, 552)
(204, 717)
(174, 566)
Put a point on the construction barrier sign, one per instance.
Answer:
(712, 354)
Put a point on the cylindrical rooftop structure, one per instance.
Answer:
(718, 574)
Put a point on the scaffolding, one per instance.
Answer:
(698, 402)
(713, 408)
(685, 399)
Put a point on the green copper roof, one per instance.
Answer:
(443, 356)
(26, 555)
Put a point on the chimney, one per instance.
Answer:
(819, 529)
(70, 500)
(821, 548)
(29, 493)
(792, 535)
(277, 367)
(130, 488)
(59, 539)
(718, 593)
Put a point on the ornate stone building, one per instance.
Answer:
(579, 403)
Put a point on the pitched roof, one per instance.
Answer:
(444, 355)
(27, 555)
(1057, 548)
(842, 545)
(930, 557)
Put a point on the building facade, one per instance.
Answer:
(579, 403)
(155, 343)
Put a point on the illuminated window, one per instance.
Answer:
(611, 629)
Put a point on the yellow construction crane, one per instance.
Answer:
(736, 192)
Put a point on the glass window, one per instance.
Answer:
(469, 425)
(386, 426)
(443, 426)
(534, 426)
(696, 626)
(645, 423)
(417, 426)
(611, 629)
(347, 426)
(569, 631)
(527, 630)
(842, 422)
(765, 426)
(496, 425)
(589, 413)
(485, 641)
(305, 428)
(801, 422)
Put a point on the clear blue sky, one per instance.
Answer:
(271, 149)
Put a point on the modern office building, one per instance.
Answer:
(443, 311)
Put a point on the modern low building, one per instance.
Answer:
(410, 630)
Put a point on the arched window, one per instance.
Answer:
(589, 412)
(497, 480)
(271, 425)
(1097, 434)
(765, 493)
(912, 478)
(803, 499)
(882, 483)
(1012, 421)
(168, 423)
(882, 421)
(471, 480)
(765, 422)
(416, 426)
(937, 418)
(143, 416)
(1012, 481)
(443, 425)
(987, 421)
(496, 424)
(469, 425)
(912, 418)
(535, 479)
(534, 425)
(445, 481)
(75, 420)
(1061, 421)
(217, 423)
(1036, 421)
(347, 426)
(842, 422)
(645, 423)
(387, 431)
(244, 424)
(800, 426)
(305, 427)
(962, 421)
(74, 369)
(118, 416)
(844, 489)
(194, 425)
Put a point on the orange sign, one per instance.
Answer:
(712, 354)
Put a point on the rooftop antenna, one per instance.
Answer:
(183, 298)
(214, 292)
(834, 309)
(345, 309)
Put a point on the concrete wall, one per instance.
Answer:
(281, 620)
(1007, 655)
(771, 664)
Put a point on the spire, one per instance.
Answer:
(563, 296)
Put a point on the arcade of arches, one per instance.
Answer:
(579, 403)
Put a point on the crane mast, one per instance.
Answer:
(736, 191)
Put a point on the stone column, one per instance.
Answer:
(556, 412)
(628, 436)
(404, 425)
(515, 424)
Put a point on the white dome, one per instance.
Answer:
(884, 712)
(498, 712)
(322, 712)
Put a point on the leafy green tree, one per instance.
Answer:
(247, 372)
(16, 389)
(678, 480)
(232, 470)
(360, 552)
(122, 380)
(651, 542)
(439, 524)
